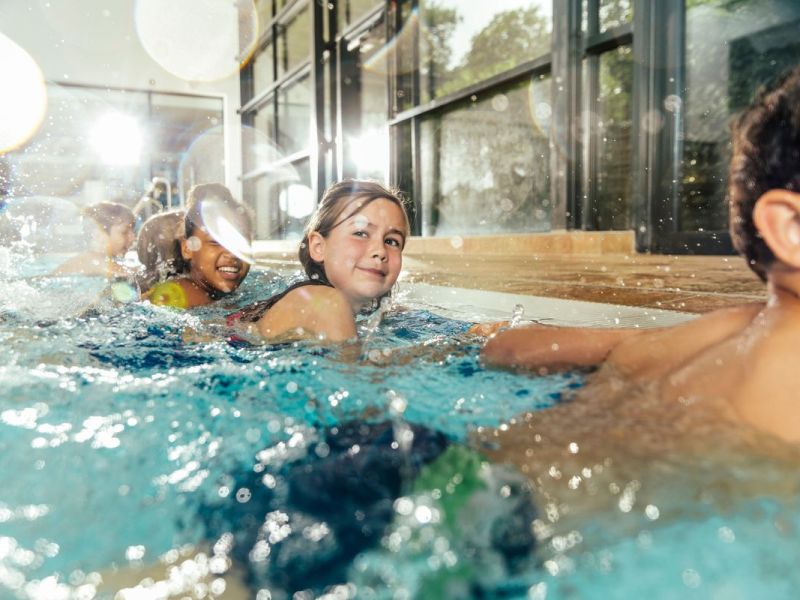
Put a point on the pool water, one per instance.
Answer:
(114, 430)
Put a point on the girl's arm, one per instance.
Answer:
(311, 311)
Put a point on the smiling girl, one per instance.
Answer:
(352, 252)
(216, 235)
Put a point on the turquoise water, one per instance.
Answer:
(113, 430)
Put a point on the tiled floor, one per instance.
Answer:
(692, 284)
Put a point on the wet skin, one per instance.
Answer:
(362, 256)
(120, 238)
(214, 269)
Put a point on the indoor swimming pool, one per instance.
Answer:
(126, 443)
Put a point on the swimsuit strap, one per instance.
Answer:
(252, 313)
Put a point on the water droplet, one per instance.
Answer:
(673, 103)
(500, 102)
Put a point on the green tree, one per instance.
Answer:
(438, 26)
(511, 37)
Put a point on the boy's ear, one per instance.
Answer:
(185, 252)
(777, 217)
(316, 246)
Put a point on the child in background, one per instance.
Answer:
(110, 228)
(158, 247)
(213, 246)
(352, 252)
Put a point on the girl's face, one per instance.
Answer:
(120, 238)
(211, 265)
(363, 255)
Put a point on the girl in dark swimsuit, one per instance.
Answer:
(352, 254)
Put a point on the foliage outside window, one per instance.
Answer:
(486, 163)
(463, 42)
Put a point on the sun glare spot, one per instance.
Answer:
(370, 151)
(117, 138)
(23, 105)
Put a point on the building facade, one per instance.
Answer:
(510, 116)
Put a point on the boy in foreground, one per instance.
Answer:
(741, 359)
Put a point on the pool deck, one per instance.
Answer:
(609, 273)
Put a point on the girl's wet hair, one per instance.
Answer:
(158, 247)
(214, 192)
(766, 156)
(108, 214)
(331, 211)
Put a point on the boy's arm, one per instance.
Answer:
(542, 346)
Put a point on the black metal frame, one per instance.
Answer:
(656, 36)
(595, 44)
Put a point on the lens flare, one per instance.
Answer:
(198, 40)
(117, 138)
(399, 51)
(370, 151)
(225, 225)
(296, 200)
(204, 158)
(24, 101)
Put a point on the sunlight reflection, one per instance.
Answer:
(370, 151)
(296, 200)
(23, 105)
(399, 49)
(198, 40)
(224, 225)
(117, 138)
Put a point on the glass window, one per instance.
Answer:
(401, 55)
(282, 201)
(614, 13)
(185, 139)
(610, 140)
(350, 11)
(294, 42)
(365, 93)
(264, 124)
(264, 8)
(485, 166)
(294, 111)
(466, 41)
(731, 49)
(263, 71)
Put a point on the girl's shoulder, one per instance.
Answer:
(254, 312)
(312, 301)
(317, 310)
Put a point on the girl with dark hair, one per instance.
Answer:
(207, 252)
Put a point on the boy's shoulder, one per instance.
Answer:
(652, 353)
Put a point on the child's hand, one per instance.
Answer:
(488, 329)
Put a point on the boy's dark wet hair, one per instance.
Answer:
(766, 156)
(330, 214)
(215, 192)
(108, 214)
